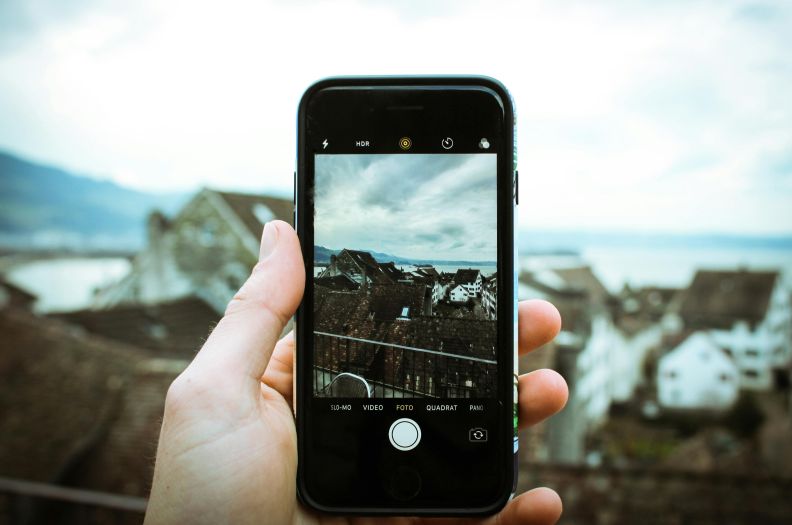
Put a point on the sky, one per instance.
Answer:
(421, 206)
(632, 115)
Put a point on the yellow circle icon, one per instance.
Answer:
(405, 143)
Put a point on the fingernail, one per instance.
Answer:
(269, 239)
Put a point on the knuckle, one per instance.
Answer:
(244, 302)
(182, 393)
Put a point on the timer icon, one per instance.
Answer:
(447, 143)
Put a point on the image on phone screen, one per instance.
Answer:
(405, 284)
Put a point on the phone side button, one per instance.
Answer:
(516, 187)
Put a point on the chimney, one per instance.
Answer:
(156, 225)
(364, 281)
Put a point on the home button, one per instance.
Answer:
(404, 484)
(404, 434)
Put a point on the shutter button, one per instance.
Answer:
(404, 434)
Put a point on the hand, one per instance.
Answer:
(228, 447)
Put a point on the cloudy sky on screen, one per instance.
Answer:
(437, 207)
(632, 115)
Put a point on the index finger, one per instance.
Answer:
(538, 323)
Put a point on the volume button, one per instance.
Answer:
(516, 187)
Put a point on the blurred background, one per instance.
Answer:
(143, 145)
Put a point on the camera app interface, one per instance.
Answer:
(405, 283)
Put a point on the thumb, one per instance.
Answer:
(242, 342)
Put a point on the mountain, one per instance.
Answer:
(534, 241)
(322, 255)
(47, 207)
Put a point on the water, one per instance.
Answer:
(68, 283)
(486, 270)
(664, 266)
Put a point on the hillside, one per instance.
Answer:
(44, 206)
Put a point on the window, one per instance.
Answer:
(405, 311)
(208, 232)
(262, 213)
(751, 352)
(753, 374)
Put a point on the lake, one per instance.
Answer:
(68, 283)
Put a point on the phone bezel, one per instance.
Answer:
(506, 292)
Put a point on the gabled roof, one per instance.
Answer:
(466, 275)
(365, 261)
(245, 206)
(362, 258)
(428, 271)
(389, 268)
(174, 328)
(583, 278)
(718, 299)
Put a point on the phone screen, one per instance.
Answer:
(405, 276)
(406, 331)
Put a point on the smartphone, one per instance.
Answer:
(405, 193)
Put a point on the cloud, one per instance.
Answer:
(440, 207)
(671, 116)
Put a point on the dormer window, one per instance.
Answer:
(405, 311)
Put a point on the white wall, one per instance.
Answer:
(627, 359)
(697, 374)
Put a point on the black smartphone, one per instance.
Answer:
(406, 336)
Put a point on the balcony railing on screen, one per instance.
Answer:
(400, 371)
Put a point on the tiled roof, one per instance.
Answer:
(13, 295)
(365, 261)
(56, 389)
(244, 204)
(67, 398)
(466, 275)
(428, 271)
(336, 282)
(583, 278)
(122, 462)
(391, 271)
(386, 302)
(174, 328)
(717, 299)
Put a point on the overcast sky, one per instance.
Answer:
(668, 116)
(439, 207)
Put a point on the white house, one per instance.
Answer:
(697, 375)
(585, 349)
(489, 296)
(640, 329)
(470, 280)
(439, 291)
(206, 250)
(748, 315)
(459, 294)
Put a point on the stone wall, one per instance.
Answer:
(609, 496)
